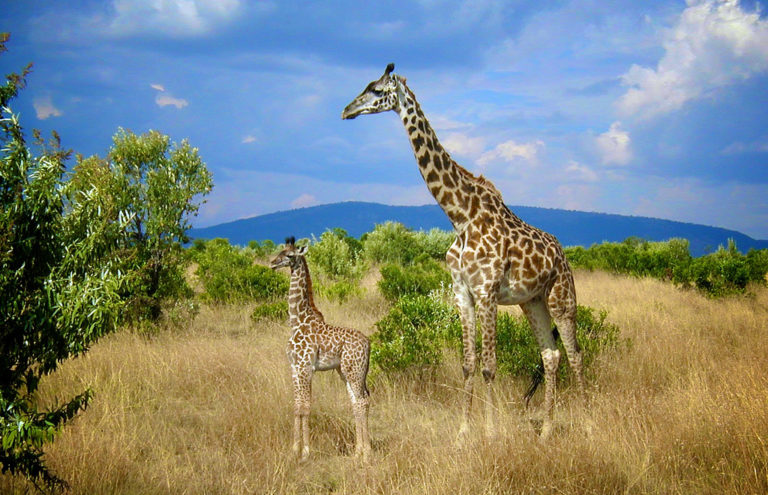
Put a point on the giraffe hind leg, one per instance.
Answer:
(567, 326)
(354, 371)
(541, 323)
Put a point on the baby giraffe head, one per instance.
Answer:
(379, 96)
(290, 255)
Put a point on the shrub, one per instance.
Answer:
(275, 311)
(422, 277)
(335, 256)
(391, 242)
(262, 249)
(417, 329)
(229, 275)
(723, 272)
(338, 291)
(413, 334)
(435, 243)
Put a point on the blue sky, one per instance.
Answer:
(652, 108)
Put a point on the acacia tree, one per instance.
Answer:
(160, 184)
(60, 288)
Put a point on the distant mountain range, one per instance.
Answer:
(572, 228)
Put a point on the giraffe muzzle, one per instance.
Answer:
(348, 114)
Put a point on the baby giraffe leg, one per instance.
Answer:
(355, 377)
(302, 384)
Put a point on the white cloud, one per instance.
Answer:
(511, 151)
(757, 146)
(581, 172)
(714, 44)
(164, 99)
(249, 139)
(44, 108)
(170, 17)
(461, 144)
(614, 145)
(303, 201)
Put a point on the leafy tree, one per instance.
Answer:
(60, 289)
(160, 185)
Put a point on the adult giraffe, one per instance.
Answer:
(496, 257)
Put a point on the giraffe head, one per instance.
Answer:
(379, 96)
(290, 255)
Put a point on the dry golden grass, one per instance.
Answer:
(208, 410)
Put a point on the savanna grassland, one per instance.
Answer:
(207, 409)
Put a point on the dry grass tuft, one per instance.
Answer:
(209, 410)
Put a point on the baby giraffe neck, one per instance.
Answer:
(301, 302)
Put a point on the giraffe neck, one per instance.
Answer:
(456, 190)
(301, 302)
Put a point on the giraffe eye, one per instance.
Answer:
(377, 92)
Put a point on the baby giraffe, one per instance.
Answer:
(318, 346)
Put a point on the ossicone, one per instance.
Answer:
(389, 69)
(290, 241)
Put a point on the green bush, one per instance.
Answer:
(422, 277)
(275, 311)
(417, 329)
(229, 275)
(262, 249)
(723, 272)
(392, 242)
(435, 242)
(338, 291)
(413, 334)
(335, 256)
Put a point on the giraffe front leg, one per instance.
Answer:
(302, 392)
(487, 310)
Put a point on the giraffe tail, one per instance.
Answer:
(538, 375)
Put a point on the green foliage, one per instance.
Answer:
(422, 277)
(263, 249)
(726, 271)
(518, 354)
(339, 291)
(417, 329)
(392, 242)
(228, 274)
(274, 311)
(60, 287)
(723, 272)
(158, 185)
(335, 256)
(413, 334)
